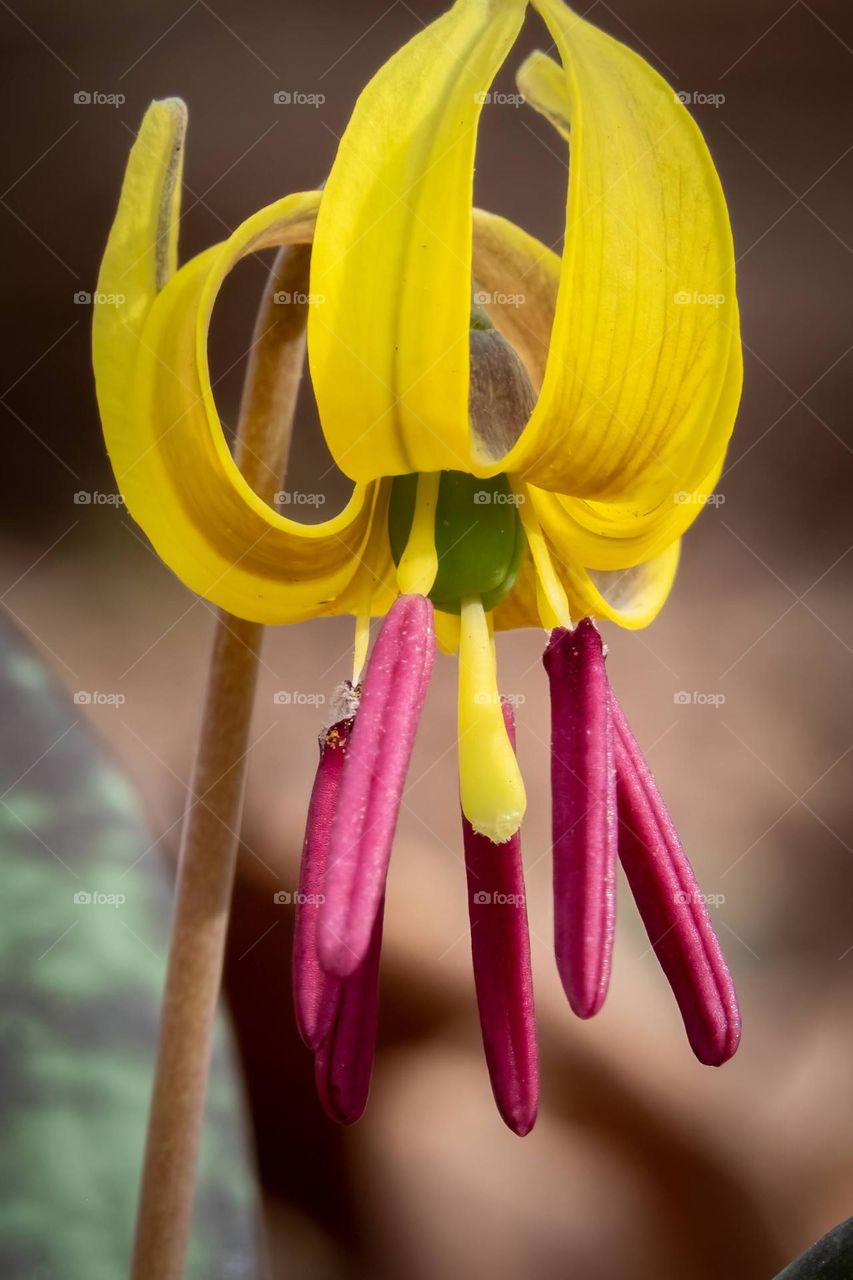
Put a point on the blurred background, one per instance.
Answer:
(643, 1164)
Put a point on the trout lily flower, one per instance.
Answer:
(529, 435)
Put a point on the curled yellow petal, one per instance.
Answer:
(142, 250)
(162, 429)
(630, 597)
(392, 254)
(643, 377)
(555, 586)
(612, 536)
(519, 278)
(543, 84)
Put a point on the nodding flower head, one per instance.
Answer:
(529, 434)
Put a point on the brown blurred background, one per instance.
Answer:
(643, 1164)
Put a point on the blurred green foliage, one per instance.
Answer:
(83, 939)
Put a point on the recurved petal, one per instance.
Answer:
(142, 251)
(162, 429)
(392, 256)
(643, 379)
(630, 597)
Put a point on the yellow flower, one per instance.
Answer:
(628, 344)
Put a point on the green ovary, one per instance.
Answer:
(479, 538)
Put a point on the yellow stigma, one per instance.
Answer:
(490, 782)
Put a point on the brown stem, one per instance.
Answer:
(210, 835)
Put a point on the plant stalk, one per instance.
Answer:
(210, 836)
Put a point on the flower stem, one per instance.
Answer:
(211, 825)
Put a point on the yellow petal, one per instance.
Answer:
(518, 278)
(163, 433)
(543, 84)
(611, 536)
(142, 251)
(643, 380)
(555, 585)
(392, 254)
(630, 597)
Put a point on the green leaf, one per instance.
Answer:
(83, 942)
